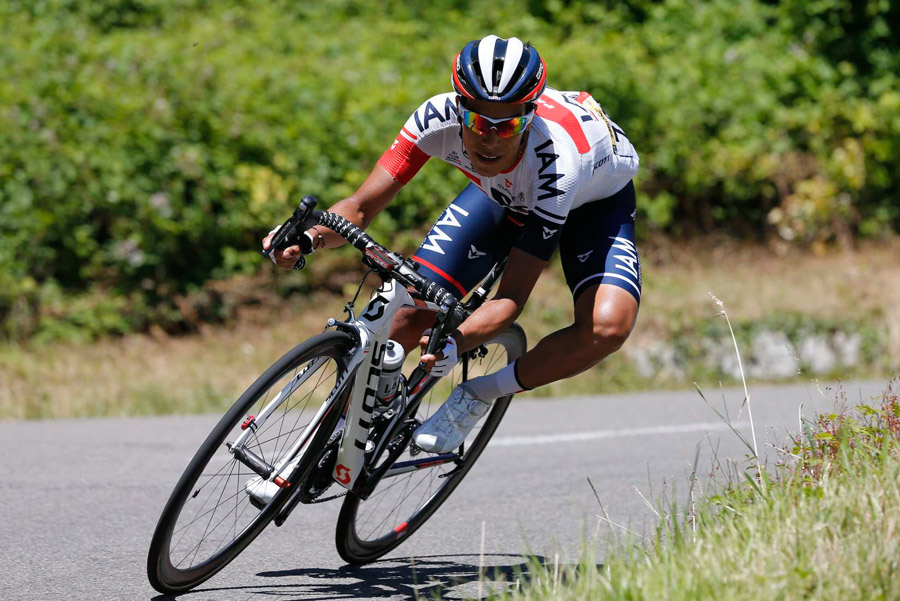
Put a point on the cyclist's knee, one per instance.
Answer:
(599, 339)
(605, 324)
(610, 335)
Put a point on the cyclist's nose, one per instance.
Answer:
(491, 138)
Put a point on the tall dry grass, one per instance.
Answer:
(824, 523)
(826, 527)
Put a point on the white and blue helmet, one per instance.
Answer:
(497, 70)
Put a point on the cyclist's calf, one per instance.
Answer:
(604, 318)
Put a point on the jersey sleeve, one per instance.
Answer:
(422, 136)
(404, 158)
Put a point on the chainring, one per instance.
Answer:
(319, 478)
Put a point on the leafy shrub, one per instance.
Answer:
(146, 145)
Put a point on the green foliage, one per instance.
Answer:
(874, 429)
(146, 145)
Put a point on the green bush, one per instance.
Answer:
(146, 145)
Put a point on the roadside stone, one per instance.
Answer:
(718, 354)
(640, 357)
(816, 354)
(729, 364)
(657, 361)
(772, 357)
(847, 346)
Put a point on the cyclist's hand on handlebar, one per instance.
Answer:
(441, 363)
(287, 257)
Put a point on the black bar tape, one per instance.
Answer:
(431, 291)
(436, 293)
(349, 231)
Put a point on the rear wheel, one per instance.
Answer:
(399, 505)
(209, 518)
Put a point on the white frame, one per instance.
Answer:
(373, 328)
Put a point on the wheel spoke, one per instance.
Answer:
(216, 512)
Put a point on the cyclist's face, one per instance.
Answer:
(490, 154)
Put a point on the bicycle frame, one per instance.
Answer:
(371, 329)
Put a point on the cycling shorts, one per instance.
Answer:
(596, 246)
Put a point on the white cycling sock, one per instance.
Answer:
(497, 384)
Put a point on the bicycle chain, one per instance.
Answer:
(331, 498)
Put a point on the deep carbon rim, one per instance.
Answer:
(209, 518)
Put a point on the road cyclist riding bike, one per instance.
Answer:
(548, 169)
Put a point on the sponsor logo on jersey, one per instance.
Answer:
(587, 113)
(548, 178)
(474, 253)
(450, 218)
(584, 256)
(396, 141)
(601, 162)
(503, 198)
(431, 113)
(548, 233)
(453, 157)
(507, 183)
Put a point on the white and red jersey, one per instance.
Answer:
(574, 154)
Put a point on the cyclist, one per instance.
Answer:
(547, 169)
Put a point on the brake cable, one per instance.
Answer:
(350, 305)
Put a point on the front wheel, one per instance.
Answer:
(399, 505)
(210, 517)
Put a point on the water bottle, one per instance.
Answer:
(390, 372)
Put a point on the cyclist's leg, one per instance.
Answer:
(457, 253)
(603, 271)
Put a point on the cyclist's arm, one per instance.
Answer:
(519, 277)
(361, 207)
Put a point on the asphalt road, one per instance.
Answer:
(80, 498)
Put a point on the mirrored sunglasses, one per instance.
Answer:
(505, 128)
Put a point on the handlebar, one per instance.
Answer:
(375, 255)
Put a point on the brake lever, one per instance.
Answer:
(283, 230)
(301, 214)
(437, 337)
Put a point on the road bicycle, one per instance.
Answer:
(316, 421)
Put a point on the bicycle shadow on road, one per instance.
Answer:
(444, 576)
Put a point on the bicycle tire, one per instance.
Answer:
(165, 560)
(357, 548)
